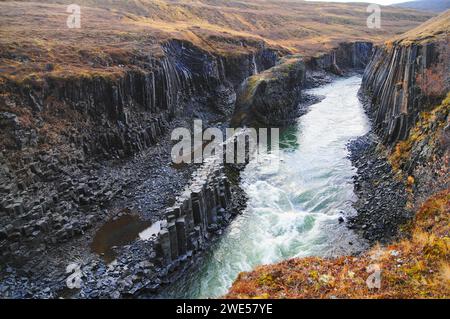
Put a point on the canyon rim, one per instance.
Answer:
(94, 205)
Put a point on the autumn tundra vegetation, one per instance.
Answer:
(91, 204)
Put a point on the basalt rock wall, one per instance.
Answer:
(406, 160)
(395, 81)
(353, 55)
(271, 97)
(126, 113)
(203, 208)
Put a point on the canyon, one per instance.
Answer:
(85, 135)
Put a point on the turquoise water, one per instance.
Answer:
(293, 209)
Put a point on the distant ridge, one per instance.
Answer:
(426, 5)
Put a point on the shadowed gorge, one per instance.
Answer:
(93, 205)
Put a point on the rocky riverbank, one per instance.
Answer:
(382, 197)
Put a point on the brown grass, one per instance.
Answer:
(435, 29)
(35, 41)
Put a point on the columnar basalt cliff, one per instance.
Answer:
(272, 98)
(404, 87)
(85, 120)
(136, 104)
(115, 117)
(346, 56)
(203, 208)
(395, 80)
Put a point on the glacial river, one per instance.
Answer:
(293, 209)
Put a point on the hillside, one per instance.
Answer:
(426, 5)
(87, 116)
(435, 29)
(114, 33)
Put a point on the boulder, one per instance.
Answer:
(271, 97)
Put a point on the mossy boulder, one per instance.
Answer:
(271, 98)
